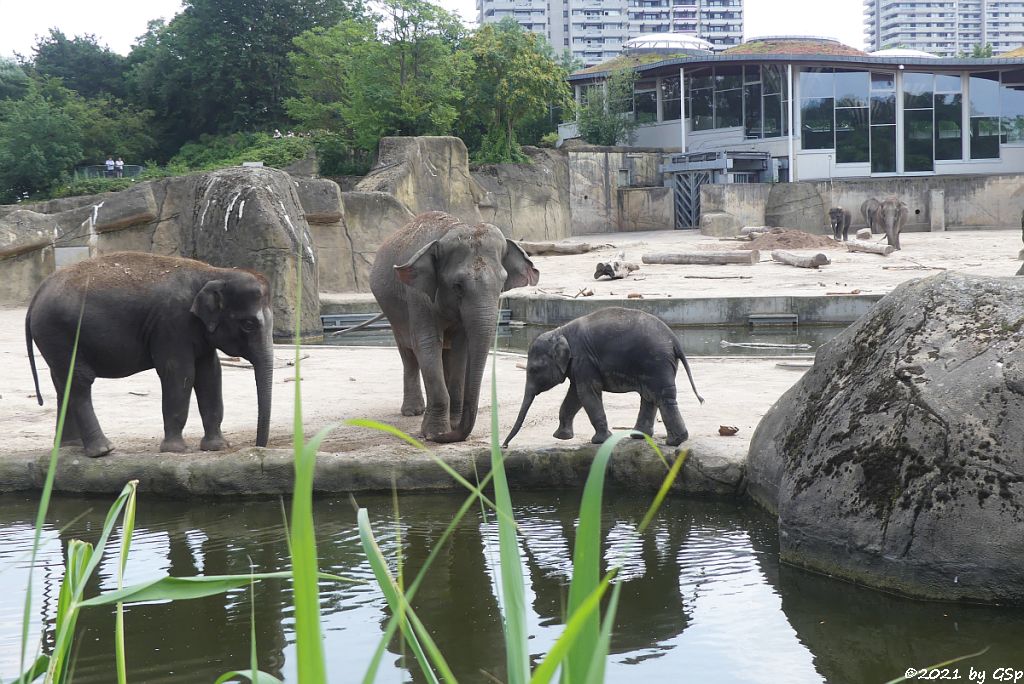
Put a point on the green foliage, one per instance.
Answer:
(335, 157)
(13, 81)
(549, 139)
(981, 51)
(515, 78)
(394, 74)
(39, 145)
(92, 186)
(81, 63)
(217, 151)
(607, 116)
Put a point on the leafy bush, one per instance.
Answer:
(92, 186)
(338, 158)
(548, 139)
(218, 151)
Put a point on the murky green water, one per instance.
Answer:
(705, 599)
(696, 341)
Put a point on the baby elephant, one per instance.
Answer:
(611, 350)
(840, 220)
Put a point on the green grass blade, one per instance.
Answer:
(595, 675)
(127, 530)
(399, 606)
(517, 646)
(254, 676)
(179, 588)
(44, 498)
(37, 670)
(666, 485)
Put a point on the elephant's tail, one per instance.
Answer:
(677, 345)
(362, 325)
(31, 354)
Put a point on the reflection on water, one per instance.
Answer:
(704, 598)
(696, 341)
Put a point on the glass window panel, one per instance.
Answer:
(852, 135)
(881, 81)
(752, 74)
(1013, 76)
(700, 78)
(852, 88)
(773, 116)
(816, 123)
(883, 149)
(917, 140)
(883, 108)
(984, 137)
(671, 110)
(947, 83)
(728, 108)
(772, 76)
(817, 83)
(702, 109)
(728, 77)
(645, 106)
(752, 110)
(1013, 113)
(670, 88)
(917, 91)
(948, 127)
(984, 89)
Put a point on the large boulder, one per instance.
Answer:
(528, 201)
(898, 459)
(796, 205)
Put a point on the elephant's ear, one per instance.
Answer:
(420, 271)
(562, 354)
(520, 269)
(209, 303)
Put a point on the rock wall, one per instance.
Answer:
(650, 208)
(595, 176)
(527, 201)
(897, 461)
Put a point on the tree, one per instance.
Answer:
(981, 51)
(39, 145)
(81, 62)
(13, 81)
(606, 117)
(514, 79)
(396, 74)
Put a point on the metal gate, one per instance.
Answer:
(686, 187)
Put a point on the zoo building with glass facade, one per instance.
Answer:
(850, 115)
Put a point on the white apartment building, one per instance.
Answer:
(594, 30)
(944, 27)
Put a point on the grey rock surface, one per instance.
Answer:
(796, 205)
(898, 459)
(528, 201)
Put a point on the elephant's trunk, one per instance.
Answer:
(481, 338)
(263, 368)
(528, 397)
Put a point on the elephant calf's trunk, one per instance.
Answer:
(264, 371)
(527, 401)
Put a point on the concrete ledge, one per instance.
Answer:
(711, 470)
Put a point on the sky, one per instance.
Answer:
(117, 23)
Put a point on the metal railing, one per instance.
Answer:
(100, 171)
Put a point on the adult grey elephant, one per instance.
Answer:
(438, 281)
(144, 311)
(869, 209)
(891, 217)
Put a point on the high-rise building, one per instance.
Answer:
(594, 30)
(944, 27)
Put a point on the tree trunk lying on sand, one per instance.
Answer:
(799, 261)
(752, 231)
(616, 268)
(555, 248)
(740, 256)
(864, 234)
(872, 247)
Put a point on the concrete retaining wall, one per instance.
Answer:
(645, 209)
(595, 176)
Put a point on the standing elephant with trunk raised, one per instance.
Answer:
(438, 281)
(141, 311)
(611, 350)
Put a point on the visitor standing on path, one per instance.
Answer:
(110, 166)
(119, 167)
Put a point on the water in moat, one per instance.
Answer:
(704, 597)
(697, 341)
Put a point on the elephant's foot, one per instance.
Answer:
(412, 410)
(449, 437)
(649, 431)
(99, 448)
(70, 441)
(677, 439)
(173, 444)
(214, 443)
(563, 433)
(600, 437)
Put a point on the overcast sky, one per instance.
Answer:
(117, 23)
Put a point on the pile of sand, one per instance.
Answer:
(788, 238)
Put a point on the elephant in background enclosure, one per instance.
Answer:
(869, 209)
(840, 219)
(438, 281)
(888, 216)
(142, 311)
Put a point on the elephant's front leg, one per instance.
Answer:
(590, 396)
(567, 412)
(436, 421)
(211, 401)
(645, 419)
(412, 395)
(177, 377)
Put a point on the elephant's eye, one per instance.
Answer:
(457, 289)
(249, 325)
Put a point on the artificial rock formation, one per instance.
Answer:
(898, 459)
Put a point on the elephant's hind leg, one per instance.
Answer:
(210, 398)
(70, 435)
(412, 395)
(82, 416)
(677, 432)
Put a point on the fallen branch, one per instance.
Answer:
(755, 230)
(851, 292)
(555, 248)
(740, 256)
(714, 277)
(864, 234)
(763, 345)
(794, 366)
(616, 268)
(862, 246)
(800, 261)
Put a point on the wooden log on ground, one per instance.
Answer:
(555, 248)
(872, 247)
(800, 261)
(755, 230)
(616, 268)
(864, 234)
(739, 256)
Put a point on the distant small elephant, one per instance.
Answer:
(611, 350)
(891, 217)
(869, 209)
(141, 311)
(840, 219)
